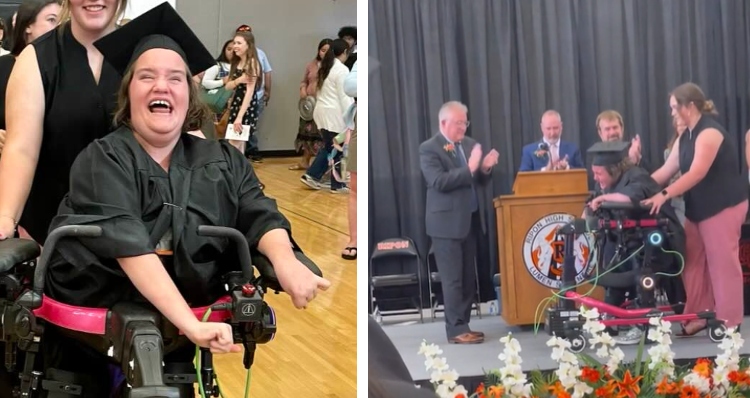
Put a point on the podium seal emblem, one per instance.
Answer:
(543, 251)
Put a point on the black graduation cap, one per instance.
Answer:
(607, 153)
(160, 27)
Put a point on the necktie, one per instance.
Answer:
(461, 155)
(553, 153)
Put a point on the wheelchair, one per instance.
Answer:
(135, 337)
(635, 232)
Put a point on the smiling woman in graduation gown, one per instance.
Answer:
(149, 185)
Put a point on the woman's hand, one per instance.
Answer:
(299, 282)
(656, 202)
(237, 127)
(213, 335)
(596, 202)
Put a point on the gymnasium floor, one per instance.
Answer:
(314, 353)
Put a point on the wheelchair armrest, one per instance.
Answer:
(16, 251)
(624, 206)
(268, 275)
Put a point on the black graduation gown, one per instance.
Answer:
(637, 184)
(388, 375)
(116, 185)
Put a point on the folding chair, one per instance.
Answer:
(435, 286)
(381, 282)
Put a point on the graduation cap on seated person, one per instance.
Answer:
(609, 153)
(160, 27)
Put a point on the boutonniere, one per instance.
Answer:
(540, 153)
(450, 149)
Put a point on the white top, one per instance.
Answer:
(212, 78)
(332, 102)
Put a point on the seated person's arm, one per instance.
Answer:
(577, 161)
(269, 232)
(439, 178)
(670, 168)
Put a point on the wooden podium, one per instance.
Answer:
(531, 255)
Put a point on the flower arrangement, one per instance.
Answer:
(450, 149)
(582, 375)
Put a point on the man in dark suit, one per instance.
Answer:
(551, 153)
(453, 168)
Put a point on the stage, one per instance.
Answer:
(473, 360)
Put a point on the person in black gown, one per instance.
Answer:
(61, 96)
(619, 180)
(149, 185)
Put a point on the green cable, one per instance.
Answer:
(537, 318)
(206, 315)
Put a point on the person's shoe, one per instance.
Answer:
(309, 181)
(466, 338)
(478, 334)
(632, 337)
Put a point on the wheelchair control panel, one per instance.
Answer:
(135, 336)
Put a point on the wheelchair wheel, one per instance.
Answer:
(577, 342)
(717, 332)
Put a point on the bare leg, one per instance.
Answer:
(351, 249)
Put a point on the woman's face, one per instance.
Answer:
(602, 176)
(323, 50)
(93, 15)
(240, 46)
(159, 96)
(45, 21)
(229, 51)
(678, 111)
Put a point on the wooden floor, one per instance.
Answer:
(314, 353)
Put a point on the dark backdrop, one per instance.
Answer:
(509, 60)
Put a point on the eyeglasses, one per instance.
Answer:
(465, 124)
(244, 28)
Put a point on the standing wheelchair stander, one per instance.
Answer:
(133, 336)
(617, 219)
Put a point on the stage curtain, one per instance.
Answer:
(509, 60)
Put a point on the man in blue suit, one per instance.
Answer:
(551, 153)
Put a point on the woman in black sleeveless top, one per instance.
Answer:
(60, 97)
(714, 187)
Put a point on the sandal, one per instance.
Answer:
(349, 256)
(685, 332)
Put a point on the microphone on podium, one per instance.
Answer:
(543, 147)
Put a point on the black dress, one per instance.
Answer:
(77, 111)
(116, 185)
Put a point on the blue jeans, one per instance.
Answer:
(319, 166)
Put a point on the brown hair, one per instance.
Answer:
(689, 92)
(65, 11)
(609, 115)
(196, 113)
(252, 59)
(617, 170)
